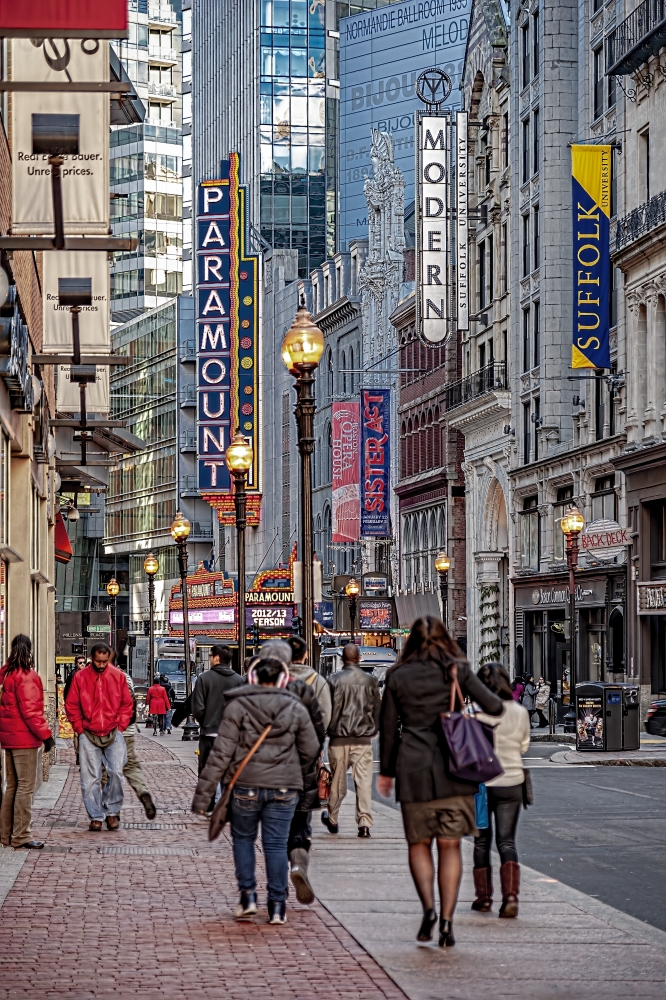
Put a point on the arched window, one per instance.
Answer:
(437, 437)
(329, 375)
(410, 448)
(318, 541)
(416, 458)
(403, 451)
(328, 452)
(351, 365)
(429, 442)
(344, 374)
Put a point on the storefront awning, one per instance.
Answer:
(412, 606)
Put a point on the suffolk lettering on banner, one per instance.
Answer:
(591, 207)
(227, 329)
(375, 462)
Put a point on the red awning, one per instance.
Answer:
(63, 546)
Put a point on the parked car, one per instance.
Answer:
(655, 723)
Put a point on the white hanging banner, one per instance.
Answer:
(432, 251)
(68, 398)
(462, 221)
(94, 330)
(85, 176)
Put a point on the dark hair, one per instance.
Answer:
(430, 640)
(20, 657)
(224, 653)
(100, 647)
(298, 646)
(268, 671)
(496, 677)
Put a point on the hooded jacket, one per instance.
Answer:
(210, 696)
(304, 672)
(291, 745)
(23, 725)
(99, 702)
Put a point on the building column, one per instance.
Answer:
(655, 369)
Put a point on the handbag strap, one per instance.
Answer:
(250, 754)
(455, 688)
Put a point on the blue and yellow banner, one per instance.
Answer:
(591, 206)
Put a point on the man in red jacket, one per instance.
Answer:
(99, 706)
(158, 704)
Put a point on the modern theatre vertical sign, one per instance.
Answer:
(228, 331)
(432, 242)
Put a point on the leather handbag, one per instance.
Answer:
(471, 754)
(324, 781)
(220, 813)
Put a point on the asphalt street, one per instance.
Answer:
(601, 830)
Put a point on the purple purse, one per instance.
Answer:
(471, 754)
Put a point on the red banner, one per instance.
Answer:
(102, 20)
(346, 472)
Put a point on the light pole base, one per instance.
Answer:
(190, 729)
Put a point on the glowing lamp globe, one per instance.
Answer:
(303, 343)
(180, 527)
(573, 522)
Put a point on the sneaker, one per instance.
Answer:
(247, 906)
(331, 827)
(149, 807)
(277, 912)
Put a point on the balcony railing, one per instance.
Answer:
(188, 441)
(641, 221)
(164, 90)
(161, 14)
(159, 53)
(635, 39)
(493, 376)
(188, 396)
(188, 485)
(188, 350)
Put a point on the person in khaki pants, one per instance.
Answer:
(354, 721)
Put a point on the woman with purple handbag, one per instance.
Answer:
(423, 698)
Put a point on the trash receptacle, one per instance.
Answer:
(631, 717)
(599, 716)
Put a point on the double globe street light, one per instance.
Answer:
(572, 524)
(180, 532)
(239, 456)
(150, 568)
(302, 348)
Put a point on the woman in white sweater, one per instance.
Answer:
(505, 796)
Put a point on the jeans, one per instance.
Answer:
(132, 769)
(107, 801)
(16, 808)
(274, 808)
(504, 803)
(300, 831)
(167, 719)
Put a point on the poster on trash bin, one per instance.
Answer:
(590, 724)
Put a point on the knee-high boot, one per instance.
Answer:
(483, 887)
(510, 880)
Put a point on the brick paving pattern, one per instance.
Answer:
(148, 911)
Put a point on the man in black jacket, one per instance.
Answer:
(354, 721)
(209, 698)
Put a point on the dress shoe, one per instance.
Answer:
(446, 938)
(331, 827)
(112, 822)
(95, 825)
(427, 924)
(149, 808)
(364, 831)
(30, 845)
(299, 859)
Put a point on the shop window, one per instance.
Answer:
(604, 499)
(564, 501)
(529, 534)
(657, 513)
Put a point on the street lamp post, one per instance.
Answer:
(150, 568)
(442, 565)
(352, 590)
(572, 524)
(180, 530)
(113, 589)
(302, 348)
(239, 458)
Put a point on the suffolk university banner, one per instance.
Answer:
(591, 204)
(375, 463)
(227, 300)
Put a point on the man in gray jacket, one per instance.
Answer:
(356, 702)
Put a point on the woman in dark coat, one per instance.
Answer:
(413, 750)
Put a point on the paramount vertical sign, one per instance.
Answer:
(432, 247)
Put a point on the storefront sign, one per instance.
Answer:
(324, 613)
(462, 220)
(345, 434)
(651, 598)
(93, 319)
(375, 616)
(591, 208)
(604, 536)
(55, 18)
(269, 597)
(432, 243)
(275, 617)
(372, 583)
(375, 462)
(228, 329)
(590, 593)
(204, 616)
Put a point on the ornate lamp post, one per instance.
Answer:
(150, 568)
(239, 456)
(180, 530)
(442, 565)
(352, 590)
(302, 348)
(113, 589)
(572, 524)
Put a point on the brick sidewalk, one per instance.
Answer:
(148, 911)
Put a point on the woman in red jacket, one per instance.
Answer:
(23, 729)
(158, 704)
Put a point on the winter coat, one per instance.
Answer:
(512, 738)
(413, 749)
(209, 697)
(23, 725)
(518, 691)
(170, 690)
(529, 699)
(542, 696)
(99, 702)
(356, 702)
(304, 672)
(291, 744)
(157, 700)
(310, 797)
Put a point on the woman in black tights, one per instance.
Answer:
(413, 750)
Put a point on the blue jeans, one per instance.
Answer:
(109, 800)
(274, 808)
(167, 719)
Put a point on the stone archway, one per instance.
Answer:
(492, 578)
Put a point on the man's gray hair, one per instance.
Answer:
(276, 649)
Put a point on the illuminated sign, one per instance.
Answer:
(204, 616)
(375, 462)
(375, 616)
(273, 617)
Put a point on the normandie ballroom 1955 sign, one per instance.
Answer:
(228, 330)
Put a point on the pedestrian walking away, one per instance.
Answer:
(505, 796)
(157, 704)
(99, 706)
(23, 729)
(272, 779)
(355, 706)
(541, 701)
(132, 769)
(209, 699)
(414, 752)
(171, 695)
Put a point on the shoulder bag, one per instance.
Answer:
(471, 754)
(220, 813)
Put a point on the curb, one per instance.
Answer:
(604, 760)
